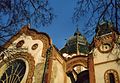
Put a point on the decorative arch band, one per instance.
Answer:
(19, 56)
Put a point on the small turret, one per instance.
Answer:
(104, 28)
(105, 37)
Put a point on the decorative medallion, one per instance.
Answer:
(106, 47)
(105, 43)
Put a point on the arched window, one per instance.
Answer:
(111, 76)
(14, 72)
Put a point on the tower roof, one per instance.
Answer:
(104, 28)
(76, 44)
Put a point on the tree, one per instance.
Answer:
(96, 11)
(14, 13)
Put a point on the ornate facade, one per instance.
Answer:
(30, 57)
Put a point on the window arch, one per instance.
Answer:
(111, 76)
(14, 73)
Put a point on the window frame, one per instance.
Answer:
(107, 76)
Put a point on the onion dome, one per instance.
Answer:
(76, 44)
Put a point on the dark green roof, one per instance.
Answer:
(104, 28)
(76, 43)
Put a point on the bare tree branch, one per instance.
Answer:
(96, 11)
(14, 13)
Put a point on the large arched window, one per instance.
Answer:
(14, 72)
(111, 76)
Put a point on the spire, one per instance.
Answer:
(77, 32)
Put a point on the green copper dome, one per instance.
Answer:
(76, 44)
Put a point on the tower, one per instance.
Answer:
(76, 52)
(106, 54)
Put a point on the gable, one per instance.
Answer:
(30, 36)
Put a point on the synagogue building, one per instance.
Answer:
(31, 57)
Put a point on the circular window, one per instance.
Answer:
(34, 46)
(20, 44)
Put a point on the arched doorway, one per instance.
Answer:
(83, 77)
(74, 67)
(86, 62)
